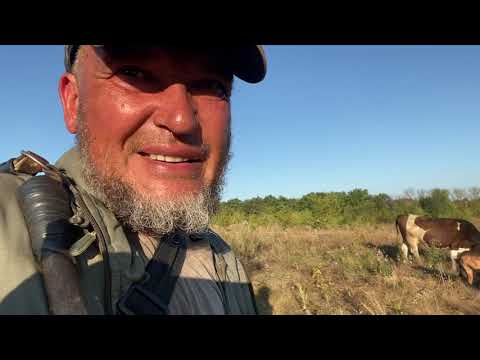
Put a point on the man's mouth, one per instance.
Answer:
(170, 159)
(180, 162)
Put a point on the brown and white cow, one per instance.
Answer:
(469, 263)
(456, 234)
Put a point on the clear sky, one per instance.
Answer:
(326, 118)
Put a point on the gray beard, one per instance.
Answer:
(190, 213)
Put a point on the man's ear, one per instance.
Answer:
(68, 91)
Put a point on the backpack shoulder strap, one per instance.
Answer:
(234, 280)
(45, 204)
(42, 197)
(151, 295)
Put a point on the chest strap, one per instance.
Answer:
(152, 295)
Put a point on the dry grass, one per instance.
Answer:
(352, 270)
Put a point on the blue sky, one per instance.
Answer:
(326, 118)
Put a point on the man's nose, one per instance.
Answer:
(179, 112)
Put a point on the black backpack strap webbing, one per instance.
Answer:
(152, 295)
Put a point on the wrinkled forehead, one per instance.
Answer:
(214, 59)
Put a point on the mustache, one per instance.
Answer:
(136, 145)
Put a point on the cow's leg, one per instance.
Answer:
(453, 257)
(466, 270)
(469, 272)
(462, 271)
(404, 252)
(416, 255)
(413, 245)
(402, 246)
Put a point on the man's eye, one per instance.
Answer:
(211, 87)
(132, 72)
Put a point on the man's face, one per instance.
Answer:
(158, 120)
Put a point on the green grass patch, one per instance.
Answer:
(433, 257)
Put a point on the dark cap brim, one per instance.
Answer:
(248, 62)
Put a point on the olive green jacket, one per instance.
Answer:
(21, 284)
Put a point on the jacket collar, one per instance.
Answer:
(71, 164)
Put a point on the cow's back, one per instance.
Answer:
(453, 233)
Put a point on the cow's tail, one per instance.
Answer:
(402, 247)
(399, 238)
(397, 229)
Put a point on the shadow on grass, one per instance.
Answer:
(436, 273)
(388, 251)
(263, 301)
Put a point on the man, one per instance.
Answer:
(152, 125)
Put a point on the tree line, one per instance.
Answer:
(331, 209)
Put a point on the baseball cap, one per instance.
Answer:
(248, 62)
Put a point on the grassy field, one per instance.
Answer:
(346, 271)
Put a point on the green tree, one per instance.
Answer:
(438, 204)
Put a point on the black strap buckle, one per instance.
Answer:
(138, 295)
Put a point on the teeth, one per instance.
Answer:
(170, 159)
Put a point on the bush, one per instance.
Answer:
(437, 204)
(324, 210)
